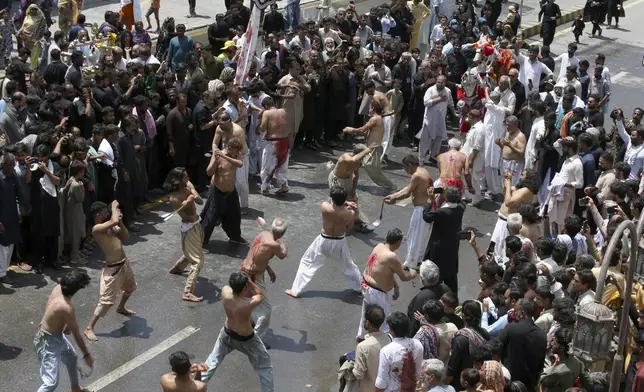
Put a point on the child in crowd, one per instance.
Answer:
(74, 223)
(470, 379)
(578, 26)
(154, 9)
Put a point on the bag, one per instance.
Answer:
(621, 13)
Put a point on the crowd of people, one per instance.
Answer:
(94, 122)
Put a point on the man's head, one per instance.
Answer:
(452, 195)
(238, 282)
(583, 281)
(410, 163)
(450, 302)
(600, 60)
(512, 124)
(433, 311)
(514, 223)
(374, 317)
(543, 298)
(180, 363)
(394, 238)
(234, 148)
(432, 372)
(8, 163)
(278, 228)
(73, 281)
(429, 273)
(398, 324)
(180, 30)
(176, 179)
(338, 195)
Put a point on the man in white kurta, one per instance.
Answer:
(531, 68)
(474, 148)
(563, 185)
(494, 129)
(255, 139)
(508, 99)
(437, 100)
(536, 133)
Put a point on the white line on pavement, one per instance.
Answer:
(141, 359)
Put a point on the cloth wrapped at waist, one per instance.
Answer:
(364, 283)
(281, 148)
(330, 237)
(449, 182)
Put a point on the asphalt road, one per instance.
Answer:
(308, 334)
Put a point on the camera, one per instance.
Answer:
(616, 113)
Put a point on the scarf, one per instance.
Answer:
(46, 183)
(428, 336)
(33, 25)
(474, 338)
(492, 376)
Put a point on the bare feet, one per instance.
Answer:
(24, 266)
(191, 297)
(89, 334)
(125, 312)
(282, 190)
(292, 294)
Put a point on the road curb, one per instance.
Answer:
(567, 16)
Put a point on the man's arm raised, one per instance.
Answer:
(114, 220)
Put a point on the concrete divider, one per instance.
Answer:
(567, 16)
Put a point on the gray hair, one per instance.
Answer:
(495, 96)
(433, 367)
(429, 273)
(279, 226)
(514, 223)
(358, 148)
(504, 79)
(512, 120)
(454, 143)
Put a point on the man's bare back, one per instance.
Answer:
(376, 131)
(262, 250)
(238, 310)
(236, 131)
(384, 101)
(381, 267)
(519, 196)
(57, 312)
(171, 383)
(517, 140)
(420, 184)
(274, 120)
(451, 164)
(336, 219)
(345, 168)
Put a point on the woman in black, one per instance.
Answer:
(465, 340)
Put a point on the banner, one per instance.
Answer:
(249, 44)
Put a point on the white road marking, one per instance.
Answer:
(627, 79)
(141, 359)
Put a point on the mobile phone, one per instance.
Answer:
(583, 202)
(610, 210)
(439, 190)
(463, 235)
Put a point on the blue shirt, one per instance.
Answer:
(588, 163)
(73, 33)
(178, 50)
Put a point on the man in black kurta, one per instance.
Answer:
(548, 16)
(443, 244)
(10, 193)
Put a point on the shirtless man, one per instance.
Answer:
(373, 131)
(452, 166)
(330, 244)
(345, 174)
(226, 130)
(184, 199)
(388, 114)
(222, 205)
(378, 277)
(52, 347)
(110, 232)
(513, 146)
(265, 246)
(276, 149)
(239, 298)
(418, 188)
(524, 192)
(184, 375)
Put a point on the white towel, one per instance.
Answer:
(46, 183)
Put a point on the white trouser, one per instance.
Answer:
(493, 180)
(269, 160)
(499, 235)
(478, 178)
(433, 146)
(5, 259)
(388, 136)
(417, 238)
(262, 313)
(241, 182)
(376, 297)
(321, 250)
(514, 167)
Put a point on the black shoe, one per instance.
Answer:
(55, 265)
(37, 270)
(133, 229)
(240, 240)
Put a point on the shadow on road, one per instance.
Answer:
(283, 343)
(136, 327)
(8, 353)
(346, 296)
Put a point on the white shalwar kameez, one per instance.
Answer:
(434, 129)
(241, 182)
(269, 161)
(475, 140)
(417, 238)
(325, 248)
(499, 235)
(373, 296)
(493, 122)
(388, 135)
(536, 133)
(255, 140)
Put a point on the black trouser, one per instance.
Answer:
(46, 249)
(24, 246)
(334, 124)
(221, 208)
(192, 4)
(548, 37)
(596, 28)
(125, 197)
(105, 183)
(452, 283)
(611, 16)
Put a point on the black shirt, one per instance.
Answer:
(460, 357)
(549, 62)
(273, 22)
(425, 294)
(524, 351)
(519, 93)
(74, 76)
(596, 119)
(456, 67)
(54, 73)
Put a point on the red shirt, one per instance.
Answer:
(638, 380)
